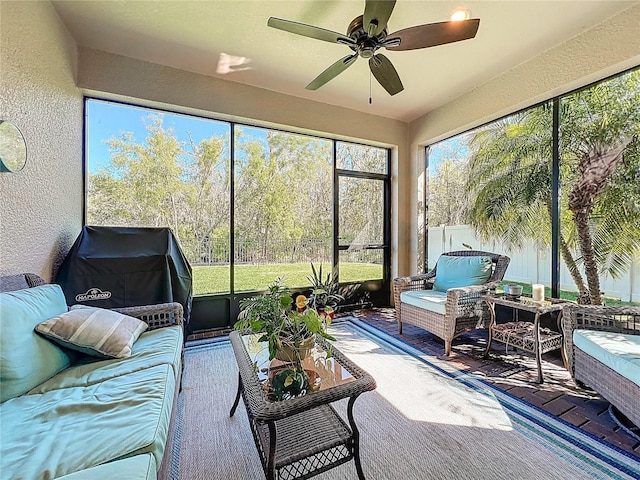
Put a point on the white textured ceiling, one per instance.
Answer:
(196, 35)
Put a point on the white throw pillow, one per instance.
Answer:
(94, 331)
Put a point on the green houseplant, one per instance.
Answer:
(324, 296)
(289, 332)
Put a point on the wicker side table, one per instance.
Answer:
(302, 436)
(526, 336)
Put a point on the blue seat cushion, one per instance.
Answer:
(455, 272)
(617, 351)
(431, 300)
(70, 429)
(140, 467)
(154, 347)
(26, 358)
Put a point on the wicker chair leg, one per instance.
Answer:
(399, 327)
(447, 347)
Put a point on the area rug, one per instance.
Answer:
(425, 420)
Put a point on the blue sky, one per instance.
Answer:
(454, 148)
(108, 119)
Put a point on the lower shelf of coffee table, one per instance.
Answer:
(307, 443)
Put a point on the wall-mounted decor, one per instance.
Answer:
(13, 148)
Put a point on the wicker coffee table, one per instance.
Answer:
(300, 436)
(527, 336)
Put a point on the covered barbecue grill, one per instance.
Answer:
(112, 267)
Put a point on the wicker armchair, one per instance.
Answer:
(615, 388)
(463, 312)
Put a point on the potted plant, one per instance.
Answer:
(289, 332)
(324, 297)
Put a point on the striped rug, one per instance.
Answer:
(426, 420)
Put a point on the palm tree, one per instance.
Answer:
(510, 179)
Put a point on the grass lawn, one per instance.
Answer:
(215, 279)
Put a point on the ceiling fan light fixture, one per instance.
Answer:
(367, 33)
(460, 14)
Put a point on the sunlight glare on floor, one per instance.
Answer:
(420, 392)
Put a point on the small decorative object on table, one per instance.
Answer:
(537, 292)
(513, 292)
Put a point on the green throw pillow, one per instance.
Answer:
(456, 272)
(94, 331)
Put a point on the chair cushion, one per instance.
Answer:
(70, 429)
(140, 467)
(94, 331)
(162, 346)
(455, 272)
(27, 359)
(617, 351)
(431, 300)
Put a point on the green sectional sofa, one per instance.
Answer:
(68, 415)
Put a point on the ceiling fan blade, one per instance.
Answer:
(309, 31)
(433, 34)
(333, 71)
(378, 13)
(385, 74)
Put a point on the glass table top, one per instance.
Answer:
(282, 380)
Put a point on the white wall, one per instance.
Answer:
(606, 49)
(41, 206)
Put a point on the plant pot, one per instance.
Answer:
(294, 352)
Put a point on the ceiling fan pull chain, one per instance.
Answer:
(370, 87)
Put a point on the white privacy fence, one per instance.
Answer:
(529, 264)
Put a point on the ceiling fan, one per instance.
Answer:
(367, 33)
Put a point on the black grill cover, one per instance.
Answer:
(112, 267)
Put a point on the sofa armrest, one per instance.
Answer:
(156, 316)
(9, 283)
(595, 317)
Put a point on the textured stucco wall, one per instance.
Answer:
(606, 49)
(41, 206)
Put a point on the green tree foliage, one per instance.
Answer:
(282, 188)
(510, 179)
(361, 206)
(447, 197)
(141, 184)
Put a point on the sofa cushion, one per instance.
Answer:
(154, 347)
(27, 359)
(617, 351)
(431, 300)
(140, 467)
(455, 272)
(94, 331)
(67, 430)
